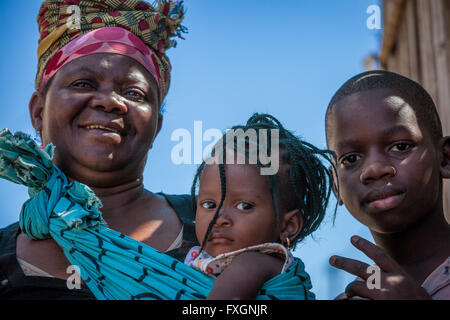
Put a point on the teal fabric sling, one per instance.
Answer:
(112, 265)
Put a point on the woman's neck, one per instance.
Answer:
(114, 199)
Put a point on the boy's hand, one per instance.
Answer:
(395, 282)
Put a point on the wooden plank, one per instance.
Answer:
(440, 49)
(392, 19)
(402, 45)
(427, 58)
(444, 105)
(413, 43)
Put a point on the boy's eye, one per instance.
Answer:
(401, 147)
(350, 159)
(244, 206)
(208, 205)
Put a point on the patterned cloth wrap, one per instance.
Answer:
(59, 25)
(214, 266)
(111, 264)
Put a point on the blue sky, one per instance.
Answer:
(286, 58)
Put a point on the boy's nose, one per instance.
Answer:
(108, 101)
(377, 170)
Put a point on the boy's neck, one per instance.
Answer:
(422, 247)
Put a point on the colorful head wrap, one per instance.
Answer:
(127, 27)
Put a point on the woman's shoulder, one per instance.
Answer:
(182, 205)
(8, 237)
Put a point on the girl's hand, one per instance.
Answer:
(394, 282)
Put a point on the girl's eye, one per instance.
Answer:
(208, 205)
(350, 159)
(244, 206)
(401, 147)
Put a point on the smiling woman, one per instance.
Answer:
(107, 104)
(98, 95)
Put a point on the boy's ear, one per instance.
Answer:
(335, 188)
(36, 107)
(444, 146)
(292, 225)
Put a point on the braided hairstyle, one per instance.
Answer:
(303, 181)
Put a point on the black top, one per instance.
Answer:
(14, 285)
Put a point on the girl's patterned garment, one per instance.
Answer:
(214, 266)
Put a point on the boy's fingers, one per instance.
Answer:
(381, 258)
(359, 289)
(355, 267)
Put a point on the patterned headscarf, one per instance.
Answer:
(154, 26)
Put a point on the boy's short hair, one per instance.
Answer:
(417, 96)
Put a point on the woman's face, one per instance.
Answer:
(102, 114)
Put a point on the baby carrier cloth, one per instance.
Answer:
(112, 265)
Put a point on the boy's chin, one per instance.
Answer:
(391, 225)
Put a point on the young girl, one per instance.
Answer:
(247, 222)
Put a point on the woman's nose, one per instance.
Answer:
(377, 169)
(108, 101)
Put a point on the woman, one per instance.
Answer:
(99, 91)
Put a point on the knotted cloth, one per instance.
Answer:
(112, 265)
(61, 21)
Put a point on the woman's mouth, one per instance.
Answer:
(104, 133)
(100, 127)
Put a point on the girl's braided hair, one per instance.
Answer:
(305, 185)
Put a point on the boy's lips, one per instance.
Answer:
(383, 198)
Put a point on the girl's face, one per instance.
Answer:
(247, 216)
(101, 113)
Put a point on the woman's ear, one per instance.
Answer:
(444, 147)
(36, 107)
(335, 188)
(292, 225)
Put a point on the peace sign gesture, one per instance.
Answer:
(392, 282)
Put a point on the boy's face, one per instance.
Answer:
(388, 165)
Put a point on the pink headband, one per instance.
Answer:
(104, 40)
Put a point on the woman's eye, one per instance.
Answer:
(350, 159)
(208, 205)
(135, 95)
(82, 84)
(244, 206)
(401, 147)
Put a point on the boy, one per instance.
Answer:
(391, 159)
